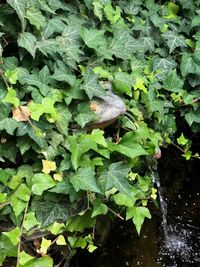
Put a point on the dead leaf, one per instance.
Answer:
(48, 166)
(21, 113)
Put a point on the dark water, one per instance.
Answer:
(179, 245)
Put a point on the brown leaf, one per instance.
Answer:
(21, 113)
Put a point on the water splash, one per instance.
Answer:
(177, 247)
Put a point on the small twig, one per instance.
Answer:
(118, 215)
(4, 79)
(21, 233)
(4, 204)
(195, 100)
(183, 151)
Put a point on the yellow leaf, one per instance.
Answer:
(61, 240)
(48, 166)
(153, 193)
(139, 84)
(44, 246)
(58, 177)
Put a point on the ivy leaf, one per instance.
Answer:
(35, 17)
(174, 40)
(48, 166)
(123, 45)
(172, 82)
(163, 64)
(41, 182)
(62, 75)
(93, 38)
(24, 258)
(138, 214)
(84, 179)
(182, 140)
(91, 85)
(41, 262)
(54, 25)
(85, 115)
(28, 41)
(19, 7)
(188, 65)
(49, 212)
(99, 208)
(113, 15)
(79, 223)
(13, 235)
(9, 125)
(63, 117)
(11, 97)
(128, 146)
(12, 75)
(79, 146)
(115, 176)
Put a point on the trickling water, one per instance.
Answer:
(163, 205)
(177, 239)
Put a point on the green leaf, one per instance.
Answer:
(13, 235)
(193, 116)
(93, 38)
(41, 262)
(188, 65)
(113, 15)
(35, 17)
(30, 221)
(99, 208)
(47, 107)
(98, 136)
(24, 258)
(91, 85)
(84, 179)
(49, 212)
(138, 214)
(63, 117)
(19, 7)
(124, 200)
(27, 41)
(12, 75)
(54, 25)
(182, 140)
(123, 45)
(123, 82)
(115, 176)
(85, 115)
(61, 75)
(9, 125)
(11, 97)
(128, 146)
(42, 182)
(174, 40)
(172, 82)
(80, 223)
(79, 146)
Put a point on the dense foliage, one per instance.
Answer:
(57, 179)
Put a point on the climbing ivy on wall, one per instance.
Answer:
(56, 177)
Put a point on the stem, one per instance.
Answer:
(116, 214)
(4, 204)
(21, 233)
(4, 79)
(182, 150)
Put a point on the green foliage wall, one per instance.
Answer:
(56, 179)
